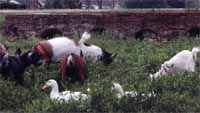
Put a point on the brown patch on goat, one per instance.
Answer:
(79, 64)
(44, 48)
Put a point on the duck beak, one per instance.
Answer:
(44, 88)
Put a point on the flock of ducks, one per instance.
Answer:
(69, 96)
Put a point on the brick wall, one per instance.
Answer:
(127, 23)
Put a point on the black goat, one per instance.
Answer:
(13, 67)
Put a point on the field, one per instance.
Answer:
(131, 68)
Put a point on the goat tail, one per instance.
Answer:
(85, 36)
(195, 50)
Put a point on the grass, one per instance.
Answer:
(2, 19)
(135, 61)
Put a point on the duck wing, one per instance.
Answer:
(131, 93)
(64, 93)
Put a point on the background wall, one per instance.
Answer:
(130, 23)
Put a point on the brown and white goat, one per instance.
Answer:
(55, 49)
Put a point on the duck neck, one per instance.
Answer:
(54, 90)
(120, 93)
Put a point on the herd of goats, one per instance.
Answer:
(73, 56)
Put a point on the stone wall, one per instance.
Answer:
(127, 23)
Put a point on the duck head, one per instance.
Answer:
(117, 89)
(51, 84)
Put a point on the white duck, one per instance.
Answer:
(66, 96)
(117, 88)
(119, 92)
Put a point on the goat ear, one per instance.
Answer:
(18, 51)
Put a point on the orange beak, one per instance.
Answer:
(44, 88)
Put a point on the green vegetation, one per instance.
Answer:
(1, 20)
(135, 61)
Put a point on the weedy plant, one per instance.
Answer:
(131, 68)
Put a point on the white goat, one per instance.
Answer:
(184, 61)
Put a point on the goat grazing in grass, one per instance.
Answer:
(55, 49)
(13, 67)
(95, 53)
(184, 61)
(73, 68)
